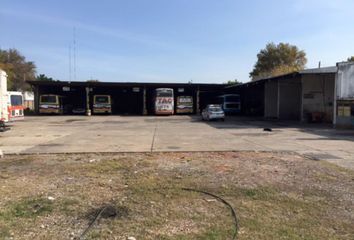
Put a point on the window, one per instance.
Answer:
(101, 99)
(16, 100)
(215, 109)
(48, 99)
(232, 105)
(164, 94)
(232, 99)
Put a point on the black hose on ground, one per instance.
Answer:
(233, 212)
(99, 213)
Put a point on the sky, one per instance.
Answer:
(203, 41)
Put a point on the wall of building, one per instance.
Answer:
(345, 81)
(290, 98)
(345, 95)
(318, 95)
(271, 99)
(252, 99)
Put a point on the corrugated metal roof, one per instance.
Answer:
(122, 84)
(319, 70)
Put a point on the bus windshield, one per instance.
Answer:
(101, 99)
(49, 99)
(232, 99)
(16, 100)
(164, 93)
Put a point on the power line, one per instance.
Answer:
(74, 42)
(70, 62)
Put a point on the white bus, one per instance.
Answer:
(164, 101)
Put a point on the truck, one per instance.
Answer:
(15, 106)
(11, 103)
(4, 115)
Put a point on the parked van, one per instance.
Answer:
(102, 104)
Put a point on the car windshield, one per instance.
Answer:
(215, 109)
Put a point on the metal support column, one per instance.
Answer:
(88, 110)
(36, 99)
(197, 103)
(144, 102)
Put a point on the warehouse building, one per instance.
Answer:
(127, 98)
(323, 95)
(307, 96)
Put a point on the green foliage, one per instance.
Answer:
(351, 59)
(43, 77)
(277, 60)
(233, 82)
(17, 68)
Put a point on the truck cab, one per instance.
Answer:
(15, 106)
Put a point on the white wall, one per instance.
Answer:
(318, 95)
(345, 81)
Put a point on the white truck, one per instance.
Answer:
(4, 115)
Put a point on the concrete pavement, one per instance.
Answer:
(78, 134)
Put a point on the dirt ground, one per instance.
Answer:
(276, 196)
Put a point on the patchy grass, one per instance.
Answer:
(26, 208)
(276, 196)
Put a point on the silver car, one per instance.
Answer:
(213, 112)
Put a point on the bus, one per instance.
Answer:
(102, 104)
(164, 101)
(184, 104)
(230, 103)
(15, 106)
(50, 104)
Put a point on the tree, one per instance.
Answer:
(17, 68)
(233, 82)
(278, 59)
(351, 59)
(43, 77)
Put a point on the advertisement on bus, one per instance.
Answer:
(184, 104)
